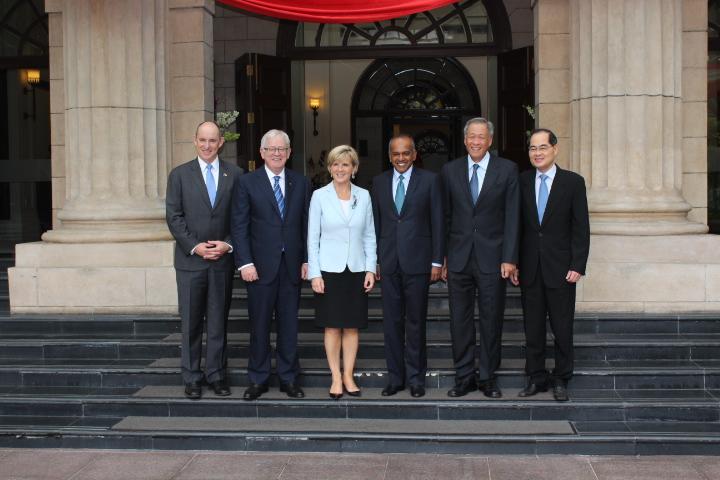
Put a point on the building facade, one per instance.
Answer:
(626, 85)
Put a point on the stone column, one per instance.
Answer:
(130, 80)
(116, 121)
(627, 114)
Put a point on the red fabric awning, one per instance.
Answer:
(336, 11)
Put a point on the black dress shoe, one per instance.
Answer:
(254, 391)
(335, 396)
(533, 389)
(560, 392)
(220, 387)
(292, 390)
(490, 389)
(354, 393)
(193, 391)
(391, 390)
(463, 388)
(417, 391)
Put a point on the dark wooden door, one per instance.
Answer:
(516, 89)
(263, 100)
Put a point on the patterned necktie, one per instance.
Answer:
(399, 194)
(279, 196)
(210, 184)
(542, 197)
(474, 184)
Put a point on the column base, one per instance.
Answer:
(88, 278)
(651, 274)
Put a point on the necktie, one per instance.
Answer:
(399, 194)
(474, 184)
(542, 197)
(210, 184)
(279, 196)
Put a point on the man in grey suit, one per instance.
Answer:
(198, 216)
(482, 213)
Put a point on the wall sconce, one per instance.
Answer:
(32, 76)
(315, 104)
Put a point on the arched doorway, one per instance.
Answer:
(428, 98)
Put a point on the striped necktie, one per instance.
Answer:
(279, 196)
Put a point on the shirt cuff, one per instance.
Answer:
(246, 265)
(436, 264)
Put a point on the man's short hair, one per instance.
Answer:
(402, 135)
(551, 136)
(480, 121)
(274, 133)
(211, 122)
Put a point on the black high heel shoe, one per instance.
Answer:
(354, 393)
(335, 396)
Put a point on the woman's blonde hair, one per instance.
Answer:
(341, 152)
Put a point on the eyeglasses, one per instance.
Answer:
(275, 149)
(542, 148)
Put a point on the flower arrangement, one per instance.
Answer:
(224, 120)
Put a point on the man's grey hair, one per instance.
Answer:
(274, 133)
(402, 135)
(480, 121)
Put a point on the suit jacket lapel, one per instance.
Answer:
(555, 193)
(412, 186)
(353, 202)
(389, 192)
(200, 181)
(223, 183)
(464, 179)
(289, 186)
(531, 204)
(491, 175)
(267, 187)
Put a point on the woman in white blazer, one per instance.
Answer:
(341, 264)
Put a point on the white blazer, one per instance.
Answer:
(335, 241)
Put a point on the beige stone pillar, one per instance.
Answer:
(116, 121)
(130, 80)
(627, 111)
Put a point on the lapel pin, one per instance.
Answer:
(224, 174)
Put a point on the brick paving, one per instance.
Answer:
(48, 464)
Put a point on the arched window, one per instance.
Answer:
(470, 27)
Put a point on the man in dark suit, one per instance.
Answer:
(407, 208)
(269, 232)
(553, 254)
(482, 212)
(198, 216)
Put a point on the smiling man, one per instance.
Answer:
(198, 216)
(269, 231)
(482, 214)
(407, 208)
(553, 254)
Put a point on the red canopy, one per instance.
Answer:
(336, 11)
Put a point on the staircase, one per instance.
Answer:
(643, 385)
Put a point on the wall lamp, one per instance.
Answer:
(315, 104)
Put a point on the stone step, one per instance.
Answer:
(357, 435)
(676, 374)
(148, 325)
(587, 346)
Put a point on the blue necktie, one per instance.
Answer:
(474, 184)
(542, 197)
(210, 184)
(399, 194)
(279, 196)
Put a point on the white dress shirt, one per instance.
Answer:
(272, 176)
(396, 180)
(216, 175)
(480, 171)
(548, 182)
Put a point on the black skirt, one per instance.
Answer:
(344, 303)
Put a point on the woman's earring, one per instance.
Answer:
(353, 176)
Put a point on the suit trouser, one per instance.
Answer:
(489, 289)
(279, 298)
(405, 301)
(204, 294)
(540, 302)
